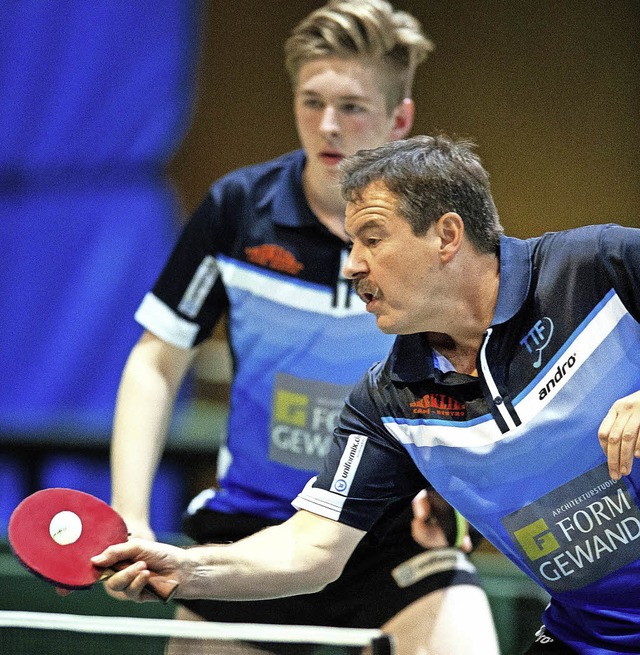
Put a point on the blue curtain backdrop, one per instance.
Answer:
(94, 99)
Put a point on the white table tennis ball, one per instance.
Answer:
(65, 528)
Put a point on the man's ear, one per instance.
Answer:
(450, 229)
(402, 120)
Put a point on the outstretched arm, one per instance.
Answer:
(301, 555)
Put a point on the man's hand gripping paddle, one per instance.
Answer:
(55, 532)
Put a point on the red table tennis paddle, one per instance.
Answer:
(54, 533)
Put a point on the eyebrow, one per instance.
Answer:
(369, 224)
(348, 98)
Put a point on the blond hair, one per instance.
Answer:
(369, 29)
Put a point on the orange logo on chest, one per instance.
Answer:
(438, 404)
(274, 257)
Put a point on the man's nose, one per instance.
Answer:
(329, 122)
(355, 265)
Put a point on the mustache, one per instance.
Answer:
(366, 291)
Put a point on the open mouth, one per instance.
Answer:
(331, 158)
(367, 296)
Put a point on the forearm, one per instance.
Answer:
(143, 413)
(302, 555)
(269, 564)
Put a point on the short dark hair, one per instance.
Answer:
(430, 176)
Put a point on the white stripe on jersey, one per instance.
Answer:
(156, 317)
(465, 434)
(290, 292)
(533, 400)
(320, 501)
(198, 290)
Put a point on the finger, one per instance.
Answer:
(118, 553)
(466, 545)
(610, 437)
(422, 532)
(629, 443)
(130, 582)
(605, 429)
(463, 539)
(421, 506)
(123, 579)
(613, 451)
(428, 535)
(425, 529)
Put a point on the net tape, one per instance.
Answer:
(148, 627)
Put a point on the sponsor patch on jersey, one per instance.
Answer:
(303, 417)
(578, 533)
(199, 287)
(348, 466)
(439, 405)
(275, 257)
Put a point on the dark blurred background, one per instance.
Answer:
(550, 91)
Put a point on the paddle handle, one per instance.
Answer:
(160, 586)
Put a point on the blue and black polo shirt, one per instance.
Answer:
(299, 337)
(516, 449)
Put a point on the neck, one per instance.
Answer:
(471, 315)
(461, 357)
(326, 202)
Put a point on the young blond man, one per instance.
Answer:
(266, 248)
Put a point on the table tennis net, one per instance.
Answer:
(40, 633)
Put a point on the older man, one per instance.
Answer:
(513, 388)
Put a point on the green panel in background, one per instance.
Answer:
(516, 601)
(26, 592)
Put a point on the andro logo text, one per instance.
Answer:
(557, 376)
(537, 339)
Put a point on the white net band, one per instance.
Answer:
(147, 627)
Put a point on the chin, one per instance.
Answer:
(385, 327)
(389, 328)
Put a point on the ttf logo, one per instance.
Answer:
(537, 339)
(536, 539)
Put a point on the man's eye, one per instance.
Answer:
(351, 108)
(310, 103)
